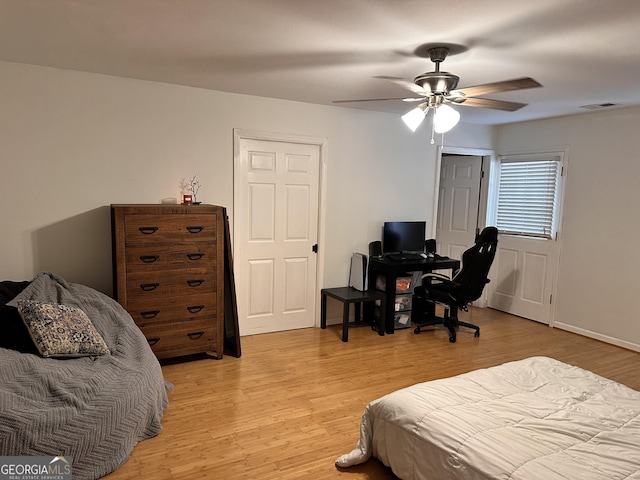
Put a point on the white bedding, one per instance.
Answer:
(536, 418)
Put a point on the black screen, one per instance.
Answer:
(403, 237)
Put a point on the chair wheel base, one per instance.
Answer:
(452, 325)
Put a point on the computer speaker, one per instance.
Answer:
(375, 249)
(430, 245)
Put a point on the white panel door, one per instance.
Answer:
(523, 274)
(458, 204)
(275, 229)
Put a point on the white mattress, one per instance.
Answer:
(536, 418)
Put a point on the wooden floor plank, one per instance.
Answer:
(292, 403)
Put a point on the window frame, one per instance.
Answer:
(494, 190)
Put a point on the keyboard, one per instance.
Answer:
(396, 257)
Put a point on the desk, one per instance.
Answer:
(391, 269)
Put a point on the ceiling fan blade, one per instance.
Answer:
(515, 84)
(487, 103)
(404, 99)
(412, 87)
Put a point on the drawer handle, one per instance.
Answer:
(195, 256)
(195, 308)
(148, 230)
(147, 287)
(153, 341)
(194, 228)
(195, 283)
(195, 335)
(149, 258)
(149, 314)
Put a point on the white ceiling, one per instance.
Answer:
(582, 51)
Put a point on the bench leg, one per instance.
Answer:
(345, 322)
(323, 311)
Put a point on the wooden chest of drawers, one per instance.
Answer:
(168, 273)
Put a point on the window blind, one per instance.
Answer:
(527, 197)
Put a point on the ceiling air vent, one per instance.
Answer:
(598, 106)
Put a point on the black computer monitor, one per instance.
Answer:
(399, 237)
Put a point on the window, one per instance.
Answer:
(527, 195)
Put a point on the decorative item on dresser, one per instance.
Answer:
(168, 272)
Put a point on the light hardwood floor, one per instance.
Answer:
(292, 403)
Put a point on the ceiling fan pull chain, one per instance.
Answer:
(433, 127)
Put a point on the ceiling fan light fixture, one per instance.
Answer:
(414, 118)
(445, 118)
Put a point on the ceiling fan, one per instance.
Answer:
(437, 88)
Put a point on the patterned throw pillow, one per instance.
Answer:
(61, 330)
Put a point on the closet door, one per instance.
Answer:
(275, 231)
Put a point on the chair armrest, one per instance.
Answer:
(439, 279)
(439, 276)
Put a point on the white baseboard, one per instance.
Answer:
(598, 336)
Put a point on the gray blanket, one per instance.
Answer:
(94, 409)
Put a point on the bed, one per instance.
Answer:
(93, 407)
(531, 419)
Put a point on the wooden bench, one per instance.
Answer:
(348, 295)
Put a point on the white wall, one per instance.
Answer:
(600, 259)
(72, 143)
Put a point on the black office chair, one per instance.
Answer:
(458, 292)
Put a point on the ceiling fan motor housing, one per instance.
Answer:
(437, 83)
